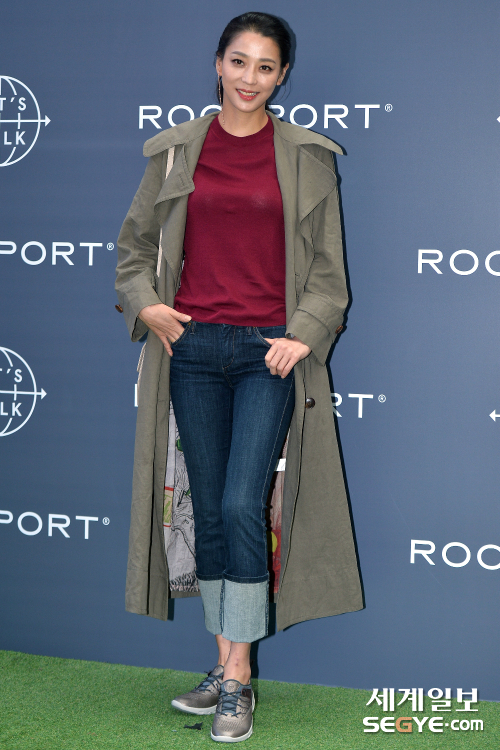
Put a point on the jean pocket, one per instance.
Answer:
(272, 332)
(186, 329)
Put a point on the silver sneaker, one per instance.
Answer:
(233, 720)
(203, 698)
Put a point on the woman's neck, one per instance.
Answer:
(241, 124)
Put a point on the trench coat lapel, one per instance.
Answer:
(178, 185)
(287, 177)
(312, 179)
(188, 139)
(315, 182)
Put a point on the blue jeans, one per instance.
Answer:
(233, 417)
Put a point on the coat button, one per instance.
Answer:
(339, 329)
(310, 402)
(119, 308)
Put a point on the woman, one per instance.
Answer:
(241, 331)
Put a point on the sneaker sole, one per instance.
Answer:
(221, 738)
(191, 710)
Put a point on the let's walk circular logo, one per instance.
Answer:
(20, 120)
(18, 392)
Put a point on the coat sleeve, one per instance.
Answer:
(321, 306)
(137, 245)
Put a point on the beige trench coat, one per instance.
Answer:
(319, 572)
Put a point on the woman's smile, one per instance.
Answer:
(247, 95)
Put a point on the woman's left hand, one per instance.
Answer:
(284, 354)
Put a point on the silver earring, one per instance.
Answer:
(220, 102)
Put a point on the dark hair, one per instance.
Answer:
(260, 23)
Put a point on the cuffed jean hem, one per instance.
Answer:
(211, 598)
(246, 579)
(238, 611)
(244, 610)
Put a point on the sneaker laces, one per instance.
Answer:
(229, 702)
(207, 683)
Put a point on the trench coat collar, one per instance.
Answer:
(316, 179)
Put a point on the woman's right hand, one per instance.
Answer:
(164, 322)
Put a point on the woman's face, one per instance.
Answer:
(250, 70)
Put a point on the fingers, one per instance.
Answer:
(276, 359)
(163, 319)
(287, 368)
(270, 356)
(179, 315)
(165, 322)
(284, 355)
(167, 342)
(164, 340)
(281, 363)
(283, 369)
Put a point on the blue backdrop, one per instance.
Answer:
(415, 372)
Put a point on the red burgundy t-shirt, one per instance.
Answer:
(234, 244)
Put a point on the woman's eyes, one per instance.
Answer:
(263, 67)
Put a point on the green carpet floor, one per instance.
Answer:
(64, 704)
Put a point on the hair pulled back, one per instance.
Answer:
(264, 24)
